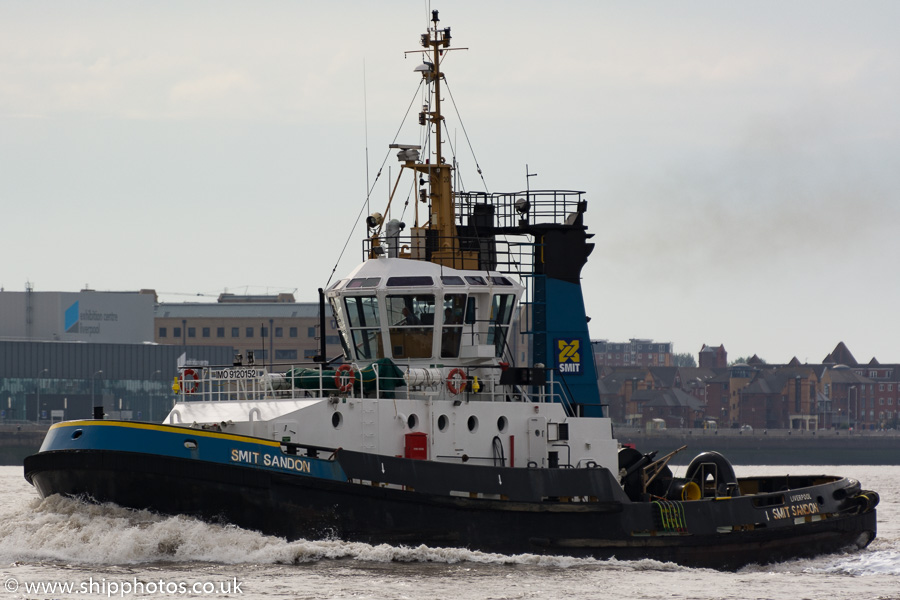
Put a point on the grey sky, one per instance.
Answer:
(740, 159)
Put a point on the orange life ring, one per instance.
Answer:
(344, 382)
(456, 381)
(189, 386)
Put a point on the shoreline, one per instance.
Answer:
(771, 447)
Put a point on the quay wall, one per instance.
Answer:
(19, 441)
(772, 447)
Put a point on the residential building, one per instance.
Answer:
(713, 357)
(633, 353)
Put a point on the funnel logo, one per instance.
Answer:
(71, 318)
(568, 356)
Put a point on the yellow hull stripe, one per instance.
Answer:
(168, 429)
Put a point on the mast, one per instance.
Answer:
(442, 205)
(439, 236)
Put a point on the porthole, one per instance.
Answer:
(502, 423)
(77, 434)
(443, 422)
(473, 423)
(412, 421)
(336, 420)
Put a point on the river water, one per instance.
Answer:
(62, 548)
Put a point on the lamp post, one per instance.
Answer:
(93, 377)
(37, 411)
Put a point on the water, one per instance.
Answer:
(106, 551)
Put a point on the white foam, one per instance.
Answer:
(72, 531)
(879, 562)
(62, 529)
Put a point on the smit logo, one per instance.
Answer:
(568, 359)
(71, 318)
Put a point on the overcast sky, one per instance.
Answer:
(741, 160)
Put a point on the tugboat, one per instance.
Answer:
(441, 426)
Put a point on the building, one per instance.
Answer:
(713, 357)
(63, 353)
(55, 381)
(617, 388)
(634, 353)
(862, 396)
(85, 316)
(780, 398)
(846, 394)
(673, 406)
(275, 329)
(878, 405)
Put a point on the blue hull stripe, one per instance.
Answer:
(188, 444)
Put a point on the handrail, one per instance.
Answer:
(214, 384)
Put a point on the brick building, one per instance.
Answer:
(713, 357)
(633, 353)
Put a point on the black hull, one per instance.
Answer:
(297, 507)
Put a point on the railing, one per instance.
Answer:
(536, 207)
(311, 381)
(483, 222)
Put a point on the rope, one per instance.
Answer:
(466, 134)
(369, 193)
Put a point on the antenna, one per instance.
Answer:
(527, 182)
(366, 122)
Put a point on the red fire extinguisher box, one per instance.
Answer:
(417, 445)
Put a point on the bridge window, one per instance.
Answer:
(411, 319)
(501, 313)
(410, 281)
(364, 282)
(451, 330)
(362, 315)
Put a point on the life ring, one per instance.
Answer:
(189, 386)
(344, 382)
(456, 381)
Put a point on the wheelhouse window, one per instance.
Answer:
(501, 314)
(364, 282)
(410, 281)
(451, 328)
(411, 319)
(364, 323)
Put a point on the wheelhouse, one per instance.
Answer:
(436, 314)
